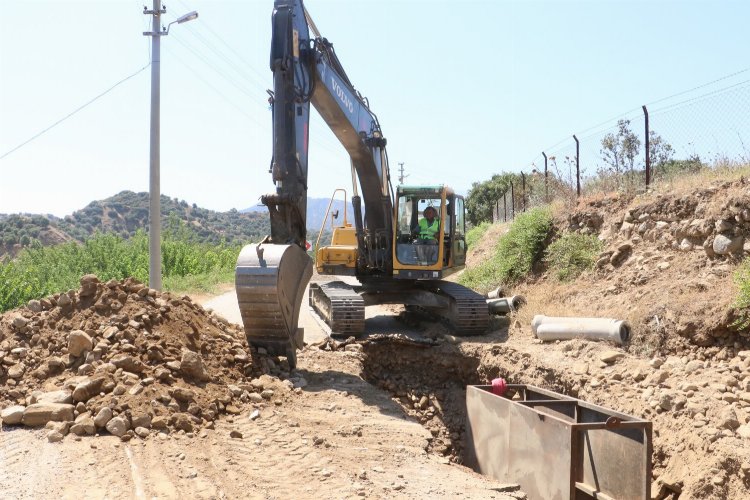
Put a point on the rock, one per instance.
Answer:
(12, 415)
(159, 423)
(686, 245)
(611, 356)
(255, 415)
(727, 419)
(39, 414)
(581, 368)
(19, 322)
(83, 427)
(63, 397)
(64, 300)
(88, 285)
(191, 365)
(16, 371)
(235, 434)
(142, 432)
(141, 420)
(621, 254)
(55, 436)
(104, 416)
(656, 362)
(118, 426)
(78, 342)
(724, 246)
(182, 394)
(267, 394)
(182, 421)
(666, 400)
(744, 431)
(129, 364)
(34, 306)
(88, 389)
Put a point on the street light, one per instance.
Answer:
(154, 211)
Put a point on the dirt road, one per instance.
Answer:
(336, 437)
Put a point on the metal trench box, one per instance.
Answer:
(555, 446)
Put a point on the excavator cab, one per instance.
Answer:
(429, 239)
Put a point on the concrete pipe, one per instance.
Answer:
(497, 293)
(505, 305)
(557, 328)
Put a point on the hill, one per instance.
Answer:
(124, 214)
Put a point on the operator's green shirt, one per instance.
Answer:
(428, 231)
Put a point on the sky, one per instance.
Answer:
(463, 89)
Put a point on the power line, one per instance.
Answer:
(76, 111)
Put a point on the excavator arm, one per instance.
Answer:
(306, 70)
(271, 276)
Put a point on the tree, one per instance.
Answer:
(620, 150)
(483, 196)
(659, 150)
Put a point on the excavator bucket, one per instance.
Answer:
(270, 281)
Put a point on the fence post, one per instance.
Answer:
(505, 205)
(578, 166)
(512, 202)
(648, 148)
(523, 192)
(546, 189)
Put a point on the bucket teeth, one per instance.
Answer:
(270, 281)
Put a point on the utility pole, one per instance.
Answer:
(154, 187)
(401, 175)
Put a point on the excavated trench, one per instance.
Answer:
(430, 383)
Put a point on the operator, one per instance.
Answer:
(428, 227)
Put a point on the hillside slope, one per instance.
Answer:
(124, 214)
(666, 266)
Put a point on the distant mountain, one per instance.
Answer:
(124, 214)
(316, 211)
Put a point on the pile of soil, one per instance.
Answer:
(124, 358)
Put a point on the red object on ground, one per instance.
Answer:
(499, 386)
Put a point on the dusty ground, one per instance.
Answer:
(339, 438)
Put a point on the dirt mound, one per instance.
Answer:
(124, 358)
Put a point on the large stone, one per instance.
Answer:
(16, 371)
(34, 306)
(88, 389)
(727, 419)
(104, 416)
(182, 421)
(19, 322)
(41, 413)
(141, 420)
(118, 426)
(88, 285)
(744, 431)
(129, 364)
(724, 245)
(191, 365)
(79, 342)
(63, 397)
(83, 427)
(12, 415)
(64, 300)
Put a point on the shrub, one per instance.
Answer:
(516, 253)
(742, 301)
(572, 254)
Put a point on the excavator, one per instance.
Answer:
(391, 264)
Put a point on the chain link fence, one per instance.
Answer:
(660, 142)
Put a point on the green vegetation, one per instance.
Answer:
(39, 271)
(516, 253)
(572, 254)
(475, 233)
(125, 214)
(742, 301)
